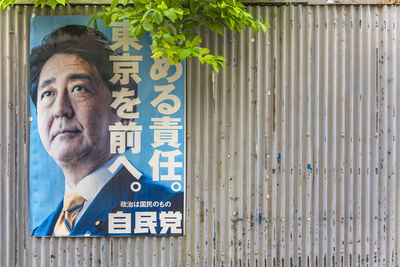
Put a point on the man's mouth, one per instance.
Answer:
(65, 132)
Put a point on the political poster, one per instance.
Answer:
(107, 132)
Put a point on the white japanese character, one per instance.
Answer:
(171, 220)
(170, 164)
(125, 66)
(125, 103)
(160, 69)
(122, 136)
(166, 131)
(145, 222)
(119, 223)
(166, 107)
(120, 34)
(122, 160)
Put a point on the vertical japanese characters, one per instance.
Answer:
(166, 125)
(164, 142)
(166, 128)
(126, 73)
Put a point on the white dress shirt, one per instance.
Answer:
(91, 185)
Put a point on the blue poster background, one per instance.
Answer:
(46, 178)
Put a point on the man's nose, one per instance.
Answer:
(62, 105)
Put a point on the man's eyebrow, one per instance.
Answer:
(46, 83)
(72, 76)
(80, 76)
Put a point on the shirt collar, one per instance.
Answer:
(89, 186)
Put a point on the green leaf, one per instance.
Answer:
(184, 53)
(190, 34)
(157, 54)
(147, 13)
(107, 21)
(124, 15)
(220, 58)
(157, 17)
(197, 40)
(114, 17)
(208, 58)
(178, 11)
(215, 66)
(173, 59)
(162, 6)
(114, 4)
(216, 27)
(189, 24)
(62, 2)
(186, 12)
(169, 38)
(263, 27)
(166, 30)
(147, 26)
(94, 20)
(197, 50)
(5, 3)
(181, 37)
(202, 61)
(138, 31)
(52, 3)
(205, 51)
(255, 27)
(170, 15)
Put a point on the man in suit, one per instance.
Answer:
(72, 92)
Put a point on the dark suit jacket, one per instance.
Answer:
(108, 200)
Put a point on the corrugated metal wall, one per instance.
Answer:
(293, 152)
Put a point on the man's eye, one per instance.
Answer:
(78, 88)
(46, 94)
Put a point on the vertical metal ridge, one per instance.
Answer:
(21, 146)
(4, 166)
(332, 124)
(392, 86)
(259, 190)
(366, 131)
(357, 139)
(396, 33)
(206, 178)
(345, 126)
(314, 132)
(381, 148)
(273, 144)
(383, 131)
(2, 136)
(11, 141)
(230, 163)
(221, 220)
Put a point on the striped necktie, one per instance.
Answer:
(73, 203)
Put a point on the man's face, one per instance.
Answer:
(73, 107)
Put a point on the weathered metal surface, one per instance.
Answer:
(293, 151)
(353, 2)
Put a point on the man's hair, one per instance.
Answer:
(87, 43)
